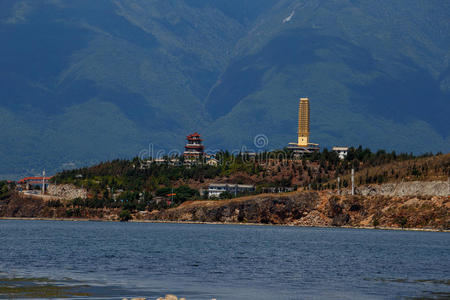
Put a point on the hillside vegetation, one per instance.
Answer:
(134, 189)
(135, 182)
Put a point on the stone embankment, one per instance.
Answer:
(413, 188)
(66, 191)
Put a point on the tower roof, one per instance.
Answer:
(193, 135)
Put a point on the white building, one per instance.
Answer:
(216, 189)
(212, 162)
(341, 151)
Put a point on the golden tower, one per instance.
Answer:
(303, 122)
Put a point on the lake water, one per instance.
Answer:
(102, 260)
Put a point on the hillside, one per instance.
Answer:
(85, 81)
(267, 170)
(392, 190)
(316, 209)
(296, 209)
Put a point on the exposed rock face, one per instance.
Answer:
(66, 191)
(413, 188)
(318, 209)
(298, 208)
(17, 206)
(266, 209)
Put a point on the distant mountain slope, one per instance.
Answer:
(376, 73)
(82, 81)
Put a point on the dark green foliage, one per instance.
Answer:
(5, 189)
(54, 203)
(375, 222)
(125, 184)
(415, 172)
(73, 212)
(226, 195)
(402, 221)
(125, 216)
(182, 193)
(123, 174)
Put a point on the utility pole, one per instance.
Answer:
(43, 183)
(353, 181)
(339, 185)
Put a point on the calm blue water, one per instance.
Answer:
(114, 260)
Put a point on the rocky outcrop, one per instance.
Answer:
(18, 206)
(303, 208)
(266, 209)
(413, 188)
(318, 209)
(66, 191)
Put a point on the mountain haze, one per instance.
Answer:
(83, 81)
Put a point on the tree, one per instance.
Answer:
(226, 195)
(125, 215)
(375, 222)
(402, 221)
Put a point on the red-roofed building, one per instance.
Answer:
(194, 147)
(28, 182)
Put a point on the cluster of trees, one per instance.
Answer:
(178, 195)
(6, 189)
(128, 175)
(375, 167)
(129, 200)
(139, 182)
(358, 158)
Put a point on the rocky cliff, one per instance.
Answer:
(375, 206)
(268, 209)
(318, 209)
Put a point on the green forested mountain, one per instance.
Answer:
(83, 81)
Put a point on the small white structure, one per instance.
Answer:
(341, 151)
(216, 189)
(212, 162)
(160, 161)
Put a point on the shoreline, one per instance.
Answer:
(220, 223)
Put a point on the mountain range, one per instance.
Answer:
(84, 81)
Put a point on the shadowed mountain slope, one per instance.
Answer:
(83, 81)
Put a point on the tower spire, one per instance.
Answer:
(303, 122)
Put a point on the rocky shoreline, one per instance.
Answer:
(219, 223)
(317, 209)
(301, 208)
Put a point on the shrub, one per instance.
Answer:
(402, 221)
(125, 216)
(54, 203)
(226, 195)
(375, 222)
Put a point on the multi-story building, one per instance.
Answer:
(303, 145)
(303, 122)
(216, 189)
(194, 148)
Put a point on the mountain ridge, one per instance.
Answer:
(83, 82)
